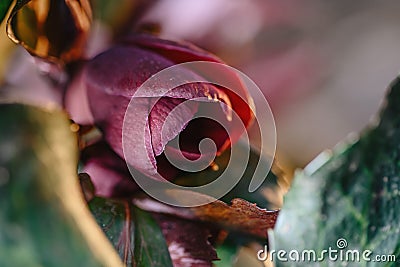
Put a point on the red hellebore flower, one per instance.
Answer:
(112, 78)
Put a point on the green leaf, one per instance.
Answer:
(133, 232)
(116, 13)
(116, 220)
(4, 6)
(43, 217)
(150, 245)
(354, 195)
(119, 15)
(227, 254)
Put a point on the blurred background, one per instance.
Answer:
(323, 66)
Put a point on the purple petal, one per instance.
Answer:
(76, 101)
(108, 172)
(188, 242)
(137, 136)
(179, 114)
(180, 52)
(113, 77)
(177, 52)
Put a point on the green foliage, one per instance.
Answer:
(4, 6)
(37, 170)
(354, 195)
(227, 253)
(133, 232)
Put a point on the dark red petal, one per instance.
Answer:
(180, 52)
(214, 125)
(137, 136)
(113, 77)
(121, 70)
(108, 172)
(76, 101)
(188, 242)
(178, 112)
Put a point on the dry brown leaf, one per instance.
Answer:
(53, 30)
(241, 215)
